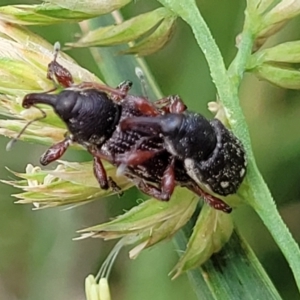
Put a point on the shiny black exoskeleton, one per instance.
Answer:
(211, 154)
(90, 116)
(92, 119)
(92, 113)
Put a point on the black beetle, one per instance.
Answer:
(92, 113)
(211, 153)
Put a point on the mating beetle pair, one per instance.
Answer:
(157, 145)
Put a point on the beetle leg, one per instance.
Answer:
(217, 203)
(123, 87)
(96, 152)
(57, 73)
(171, 104)
(113, 92)
(214, 202)
(143, 105)
(116, 94)
(165, 191)
(177, 105)
(55, 151)
(115, 187)
(152, 191)
(168, 180)
(100, 172)
(135, 157)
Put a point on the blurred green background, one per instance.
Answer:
(39, 260)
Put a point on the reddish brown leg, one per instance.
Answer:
(119, 94)
(55, 152)
(96, 152)
(166, 189)
(143, 105)
(100, 172)
(168, 180)
(116, 94)
(177, 105)
(123, 87)
(135, 157)
(140, 103)
(171, 104)
(152, 191)
(214, 202)
(57, 73)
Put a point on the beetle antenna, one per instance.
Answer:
(141, 76)
(12, 141)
